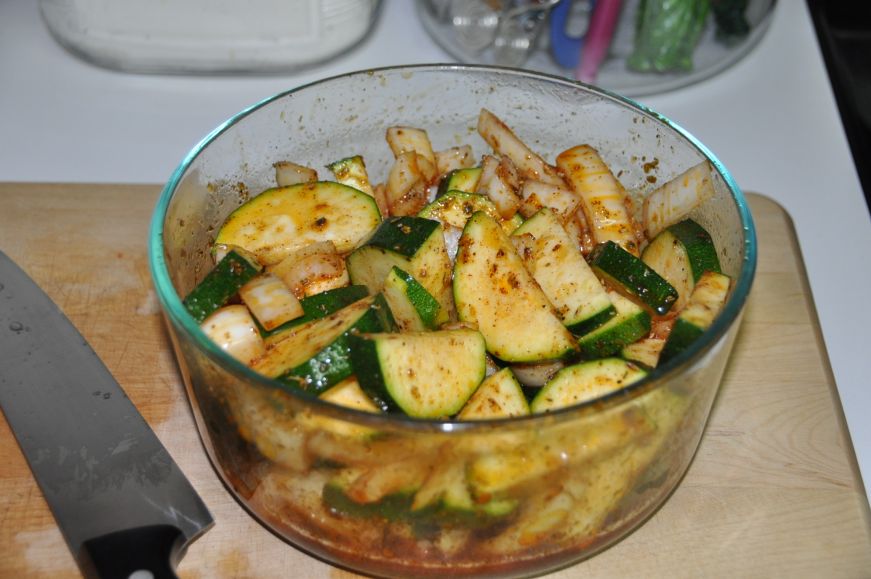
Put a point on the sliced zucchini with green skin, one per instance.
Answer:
(282, 220)
(465, 180)
(235, 269)
(631, 323)
(499, 396)
(630, 275)
(315, 356)
(351, 171)
(563, 273)
(386, 491)
(414, 308)
(705, 303)
(413, 244)
(455, 207)
(423, 374)
(681, 254)
(445, 499)
(494, 291)
(319, 306)
(325, 303)
(586, 381)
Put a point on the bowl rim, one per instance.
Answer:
(180, 319)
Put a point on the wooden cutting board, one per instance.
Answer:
(773, 490)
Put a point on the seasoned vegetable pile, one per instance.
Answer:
(462, 287)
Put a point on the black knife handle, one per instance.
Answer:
(155, 550)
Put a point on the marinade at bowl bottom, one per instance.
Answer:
(565, 489)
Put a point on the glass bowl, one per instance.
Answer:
(573, 481)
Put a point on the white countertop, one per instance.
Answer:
(771, 119)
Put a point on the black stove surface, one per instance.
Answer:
(844, 31)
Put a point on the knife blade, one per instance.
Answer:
(121, 502)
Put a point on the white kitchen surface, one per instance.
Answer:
(771, 119)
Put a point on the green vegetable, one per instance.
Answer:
(315, 356)
(666, 34)
(319, 306)
(623, 270)
(236, 269)
(423, 374)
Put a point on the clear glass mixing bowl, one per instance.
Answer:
(577, 479)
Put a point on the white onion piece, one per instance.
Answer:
(270, 301)
(454, 158)
(674, 200)
(505, 142)
(409, 139)
(564, 202)
(233, 329)
(603, 198)
(452, 240)
(498, 182)
(537, 374)
(287, 173)
(316, 273)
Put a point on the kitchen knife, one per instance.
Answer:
(122, 504)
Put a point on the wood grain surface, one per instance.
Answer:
(773, 490)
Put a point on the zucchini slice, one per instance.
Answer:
(499, 396)
(445, 500)
(413, 244)
(465, 180)
(586, 381)
(282, 220)
(455, 207)
(424, 374)
(314, 356)
(494, 291)
(705, 303)
(351, 171)
(681, 254)
(631, 323)
(235, 269)
(414, 308)
(603, 198)
(631, 276)
(563, 273)
(325, 303)
(383, 491)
